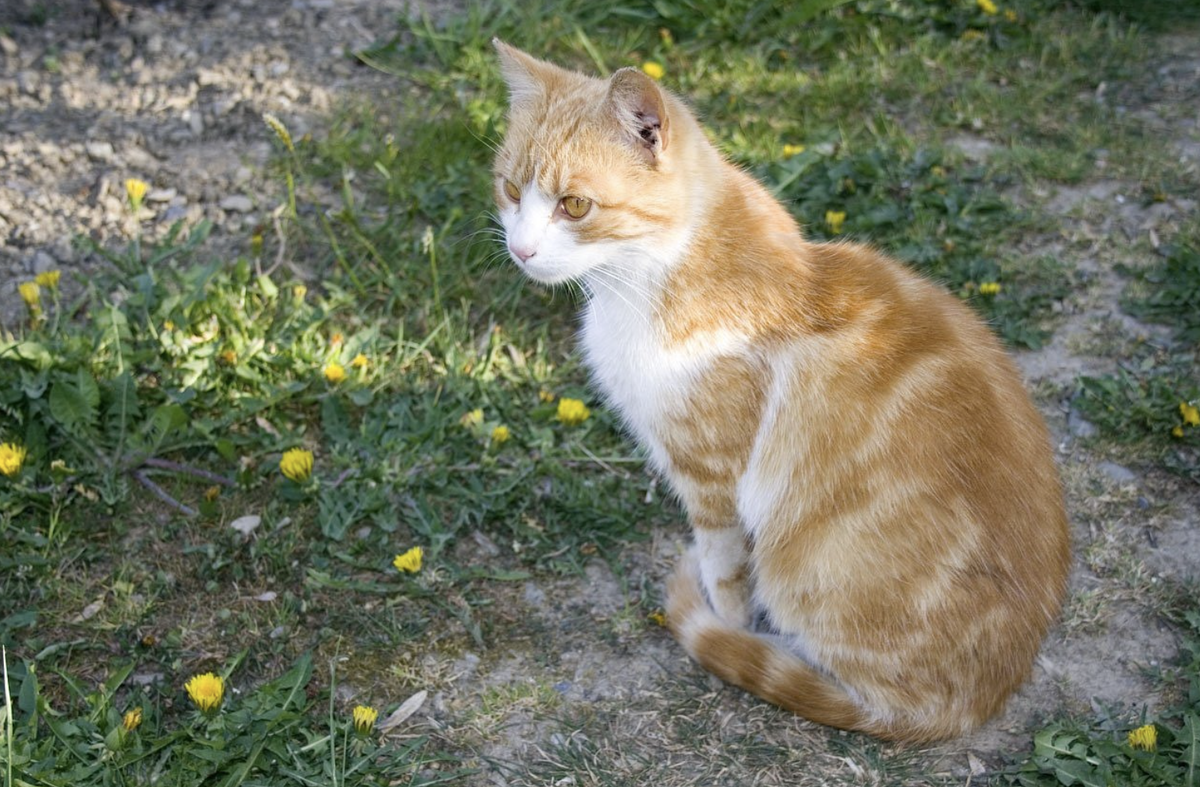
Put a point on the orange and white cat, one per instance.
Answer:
(880, 540)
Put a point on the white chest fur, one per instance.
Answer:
(644, 378)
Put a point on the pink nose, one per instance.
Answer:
(522, 253)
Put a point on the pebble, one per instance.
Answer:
(28, 81)
(1122, 475)
(238, 203)
(161, 195)
(1080, 426)
(100, 151)
(8, 46)
(42, 262)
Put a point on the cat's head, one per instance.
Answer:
(588, 175)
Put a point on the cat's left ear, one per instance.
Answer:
(639, 106)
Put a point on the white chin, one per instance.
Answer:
(548, 274)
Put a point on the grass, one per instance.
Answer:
(156, 401)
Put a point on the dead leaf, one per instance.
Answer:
(408, 708)
(246, 524)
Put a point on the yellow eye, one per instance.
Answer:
(576, 207)
(511, 190)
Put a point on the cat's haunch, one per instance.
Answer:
(880, 540)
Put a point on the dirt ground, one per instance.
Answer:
(574, 678)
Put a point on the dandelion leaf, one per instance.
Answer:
(75, 402)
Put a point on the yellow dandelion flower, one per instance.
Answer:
(501, 434)
(364, 719)
(1010, 15)
(989, 288)
(359, 361)
(657, 618)
(296, 464)
(1177, 432)
(49, 279)
(280, 130)
(971, 35)
(31, 293)
(12, 457)
(546, 396)
(136, 191)
(336, 340)
(212, 493)
(229, 357)
(168, 325)
(1190, 413)
(335, 373)
(834, 219)
(256, 244)
(572, 411)
(790, 150)
(299, 291)
(132, 719)
(1144, 737)
(410, 561)
(206, 691)
(472, 418)
(653, 70)
(987, 6)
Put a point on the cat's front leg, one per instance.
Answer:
(725, 571)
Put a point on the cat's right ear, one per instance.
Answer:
(638, 105)
(521, 71)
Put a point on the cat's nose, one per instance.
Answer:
(523, 253)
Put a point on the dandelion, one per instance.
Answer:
(790, 150)
(31, 293)
(359, 361)
(229, 357)
(168, 325)
(1190, 413)
(472, 418)
(336, 340)
(1010, 15)
(335, 373)
(132, 719)
(296, 464)
(12, 457)
(987, 6)
(206, 691)
(545, 395)
(136, 191)
(256, 244)
(1144, 737)
(501, 434)
(299, 291)
(657, 618)
(989, 288)
(410, 561)
(834, 219)
(48, 279)
(212, 493)
(653, 70)
(572, 411)
(971, 35)
(1177, 432)
(364, 719)
(280, 131)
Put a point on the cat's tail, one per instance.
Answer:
(759, 666)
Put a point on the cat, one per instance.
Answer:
(880, 542)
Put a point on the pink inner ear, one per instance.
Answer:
(639, 107)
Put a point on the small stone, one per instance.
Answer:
(146, 678)
(246, 524)
(1079, 426)
(100, 151)
(1122, 475)
(161, 195)
(1143, 503)
(277, 632)
(174, 213)
(8, 46)
(29, 81)
(242, 174)
(269, 595)
(238, 203)
(42, 262)
(279, 68)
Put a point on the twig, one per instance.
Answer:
(349, 471)
(162, 494)
(165, 464)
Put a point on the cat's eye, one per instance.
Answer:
(576, 207)
(511, 191)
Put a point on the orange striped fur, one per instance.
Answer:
(880, 541)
